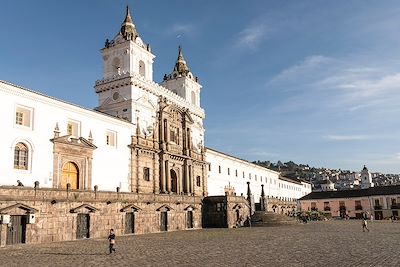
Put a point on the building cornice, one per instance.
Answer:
(126, 78)
(45, 99)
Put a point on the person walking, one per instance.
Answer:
(364, 223)
(111, 241)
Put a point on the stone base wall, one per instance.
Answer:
(225, 211)
(56, 212)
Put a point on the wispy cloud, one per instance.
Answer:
(252, 36)
(347, 137)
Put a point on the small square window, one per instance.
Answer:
(23, 116)
(73, 128)
(111, 137)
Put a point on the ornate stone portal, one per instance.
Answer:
(72, 161)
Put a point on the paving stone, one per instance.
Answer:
(328, 243)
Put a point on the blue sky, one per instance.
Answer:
(316, 82)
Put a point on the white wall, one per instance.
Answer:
(110, 164)
(256, 175)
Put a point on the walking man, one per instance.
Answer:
(111, 241)
(364, 223)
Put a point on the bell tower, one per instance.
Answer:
(124, 57)
(182, 82)
(366, 178)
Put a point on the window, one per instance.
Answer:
(142, 68)
(111, 138)
(219, 169)
(313, 206)
(243, 174)
(73, 128)
(229, 171)
(198, 181)
(193, 98)
(209, 167)
(255, 177)
(174, 135)
(21, 156)
(23, 116)
(250, 176)
(357, 204)
(146, 174)
(236, 172)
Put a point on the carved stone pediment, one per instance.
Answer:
(189, 208)
(164, 208)
(21, 206)
(84, 208)
(130, 207)
(69, 140)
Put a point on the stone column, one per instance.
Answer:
(156, 177)
(191, 178)
(3, 235)
(167, 178)
(162, 175)
(137, 170)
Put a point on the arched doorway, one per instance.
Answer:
(70, 174)
(174, 181)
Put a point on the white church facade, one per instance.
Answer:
(137, 161)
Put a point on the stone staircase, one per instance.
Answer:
(262, 218)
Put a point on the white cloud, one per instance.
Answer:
(309, 66)
(252, 36)
(347, 137)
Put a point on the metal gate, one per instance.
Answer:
(82, 226)
(164, 221)
(189, 219)
(130, 223)
(16, 231)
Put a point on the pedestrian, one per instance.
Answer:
(372, 217)
(364, 225)
(249, 220)
(19, 183)
(111, 241)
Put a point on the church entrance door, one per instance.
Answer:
(70, 174)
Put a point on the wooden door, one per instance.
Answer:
(189, 219)
(16, 231)
(129, 223)
(82, 226)
(70, 174)
(164, 221)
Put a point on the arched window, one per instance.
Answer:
(21, 156)
(142, 68)
(116, 66)
(193, 98)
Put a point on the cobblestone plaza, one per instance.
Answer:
(330, 243)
